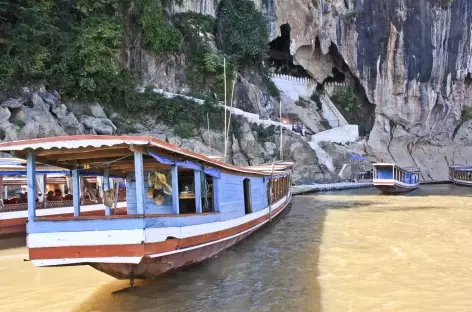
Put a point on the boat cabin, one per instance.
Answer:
(390, 178)
(393, 172)
(460, 174)
(175, 199)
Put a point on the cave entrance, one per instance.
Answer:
(279, 59)
(468, 79)
(338, 76)
(347, 93)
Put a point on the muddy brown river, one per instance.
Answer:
(341, 251)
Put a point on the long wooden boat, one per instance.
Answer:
(182, 207)
(14, 211)
(461, 175)
(392, 179)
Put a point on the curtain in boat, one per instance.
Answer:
(187, 165)
(40, 187)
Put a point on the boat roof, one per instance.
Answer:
(9, 181)
(17, 166)
(96, 152)
(460, 166)
(279, 166)
(410, 169)
(463, 168)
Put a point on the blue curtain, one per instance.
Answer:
(187, 165)
(14, 173)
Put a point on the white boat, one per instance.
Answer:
(392, 179)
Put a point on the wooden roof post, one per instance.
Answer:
(197, 178)
(139, 176)
(31, 188)
(106, 187)
(175, 189)
(76, 191)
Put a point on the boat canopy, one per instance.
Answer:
(16, 166)
(409, 169)
(462, 168)
(95, 153)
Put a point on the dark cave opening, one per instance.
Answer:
(279, 60)
(338, 76)
(364, 116)
(468, 79)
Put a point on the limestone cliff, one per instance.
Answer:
(409, 62)
(411, 59)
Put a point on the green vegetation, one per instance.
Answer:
(316, 98)
(302, 102)
(441, 3)
(158, 35)
(73, 46)
(241, 30)
(270, 85)
(19, 123)
(76, 48)
(205, 66)
(264, 134)
(467, 113)
(185, 114)
(346, 98)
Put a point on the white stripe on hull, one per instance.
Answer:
(51, 262)
(392, 182)
(86, 238)
(54, 211)
(137, 236)
(135, 260)
(217, 241)
(154, 235)
(463, 182)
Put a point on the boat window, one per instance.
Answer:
(279, 187)
(247, 196)
(208, 204)
(187, 183)
(186, 192)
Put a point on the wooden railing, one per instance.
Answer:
(57, 204)
(464, 175)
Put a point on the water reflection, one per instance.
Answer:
(341, 251)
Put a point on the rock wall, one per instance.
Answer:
(410, 58)
(36, 113)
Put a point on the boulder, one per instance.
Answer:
(68, 120)
(13, 103)
(96, 125)
(38, 103)
(50, 98)
(97, 111)
(250, 146)
(238, 157)
(4, 114)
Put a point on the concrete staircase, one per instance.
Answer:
(330, 112)
(250, 117)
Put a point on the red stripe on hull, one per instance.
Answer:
(134, 250)
(462, 182)
(151, 268)
(17, 226)
(395, 189)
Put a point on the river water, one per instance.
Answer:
(341, 251)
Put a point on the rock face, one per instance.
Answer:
(40, 114)
(411, 59)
